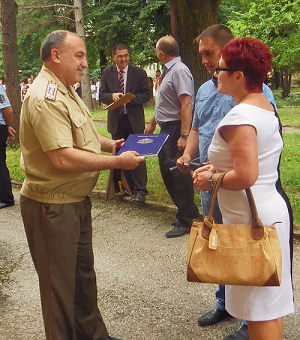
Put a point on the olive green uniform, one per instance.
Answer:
(56, 210)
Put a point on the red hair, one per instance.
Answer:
(252, 57)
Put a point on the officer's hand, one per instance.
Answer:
(129, 160)
(11, 133)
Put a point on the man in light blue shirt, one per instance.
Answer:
(6, 116)
(209, 109)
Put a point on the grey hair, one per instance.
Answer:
(55, 39)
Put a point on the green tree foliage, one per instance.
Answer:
(35, 20)
(188, 19)
(231, 10)
(276, 23)
(136, 23)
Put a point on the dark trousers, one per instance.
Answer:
(179, 185)
(60, 241)
(6, 195)
(137, 178)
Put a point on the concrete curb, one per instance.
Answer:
(150, 205)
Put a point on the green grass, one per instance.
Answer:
(290, 172)
(289, 116)
(157, 192)
(101, 114)
(156, 188)
(279, 91)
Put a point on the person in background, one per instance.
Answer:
(98, 84)
(61, 159)
(151, 101)
(117, 80)
(247, 143)
(29, 82)
(77, 88)
(2, 83)
(94, 94)
(173, 113)
(24, 88)
(6, 131)
(209, 108)
(157, 81)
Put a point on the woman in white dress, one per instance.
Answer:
(248, 143)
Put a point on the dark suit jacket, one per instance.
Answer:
(137, 84)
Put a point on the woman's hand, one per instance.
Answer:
(201, 176)
(205, 167)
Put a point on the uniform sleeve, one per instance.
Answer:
(4, 101)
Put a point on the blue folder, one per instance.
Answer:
(145, 145)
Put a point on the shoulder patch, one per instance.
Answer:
(51, 90)
(2, 98)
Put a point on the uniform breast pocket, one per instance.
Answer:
(79, 130)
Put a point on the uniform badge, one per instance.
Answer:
(51, 90)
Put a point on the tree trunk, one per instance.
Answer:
(10, 59)
(188, 19)
(102, 60)
(277, 79)
(286, 79)
(85, 80)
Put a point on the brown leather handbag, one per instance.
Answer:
(244, 255)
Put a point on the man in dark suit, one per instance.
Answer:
(127, 119)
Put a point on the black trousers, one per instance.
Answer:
(179, 185)
(137, 178)
(6, 195)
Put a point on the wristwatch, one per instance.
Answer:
(184, 136)
(210, 180)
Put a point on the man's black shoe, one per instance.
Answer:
(178, 231)
(140, 197)
(175, 223)
(5, 205)
(214, 316)
(239, 334)
(122, 195)
(110, 338)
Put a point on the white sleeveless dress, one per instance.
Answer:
(256, 303)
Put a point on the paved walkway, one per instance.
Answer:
(143, 292)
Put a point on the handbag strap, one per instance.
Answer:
(257, 228)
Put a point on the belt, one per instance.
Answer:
(170, 123)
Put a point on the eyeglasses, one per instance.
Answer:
(121, 56)
(218, 69)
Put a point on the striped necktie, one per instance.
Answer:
(121, 88)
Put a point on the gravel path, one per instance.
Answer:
(143, 293)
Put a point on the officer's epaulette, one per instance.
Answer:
(51, 90)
